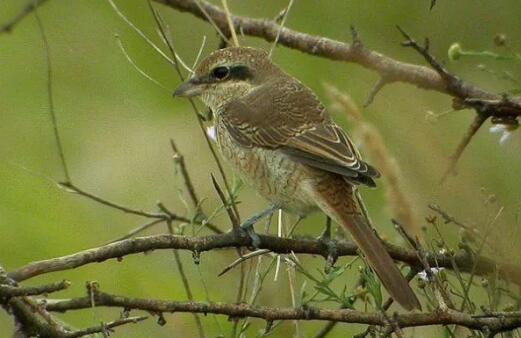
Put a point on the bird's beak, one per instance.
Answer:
(190, 88)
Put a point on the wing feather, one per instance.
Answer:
(293, 120)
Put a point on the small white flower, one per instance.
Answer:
(210, 131)
(423, 274)
(505, 129)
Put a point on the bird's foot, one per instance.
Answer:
(325, 236)
(332, 255)
(247, 225)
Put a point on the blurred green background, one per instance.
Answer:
(116, 127)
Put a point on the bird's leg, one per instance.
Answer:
(325, 237)
(247, 225)
(326, 233)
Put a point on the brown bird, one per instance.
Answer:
(280, 139)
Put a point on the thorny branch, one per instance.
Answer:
(272, 313)
(281, 245)
(32, 318)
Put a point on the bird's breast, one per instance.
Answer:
(273, 174)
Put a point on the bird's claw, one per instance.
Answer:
(247, 225)
(247, 228)
(325, 238)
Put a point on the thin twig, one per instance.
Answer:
(282, 23)
(186, 285)
(242, 259)
(136, 67)
(231, 26)
(199, 53)
(105, 327)
(140, 33)
(172, 50)
(137, 230)
(26, 10)
(210, 20)
(236, 230)
(50, 96)
(75, 189)
(227, 205)
(479, 119)
(8, 291)
(480, 248)
(187, 180)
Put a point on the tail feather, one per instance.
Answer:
(380, 260)
(337, 201)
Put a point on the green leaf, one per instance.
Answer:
(373, 287)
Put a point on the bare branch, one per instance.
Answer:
(180, 162)
(391, 69)
(464, 260)
(413, 319)
(227, 205)
(172, 50)
(375, 90)
(105, 327)
(7, 291)
(31, 318)
(31, 322)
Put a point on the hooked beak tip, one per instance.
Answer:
(188, 89)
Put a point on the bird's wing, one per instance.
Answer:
(287, 116)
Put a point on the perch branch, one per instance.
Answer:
(465, 261)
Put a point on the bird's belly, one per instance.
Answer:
(273, 174)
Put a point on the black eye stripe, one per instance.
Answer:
(240, 72)
(221, 73)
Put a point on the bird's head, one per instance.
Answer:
(228, 74)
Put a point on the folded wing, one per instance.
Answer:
(294, 121)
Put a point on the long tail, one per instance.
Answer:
(338, 202)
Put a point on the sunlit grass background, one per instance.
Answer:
(116, 127)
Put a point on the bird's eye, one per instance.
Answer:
(220, 73)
